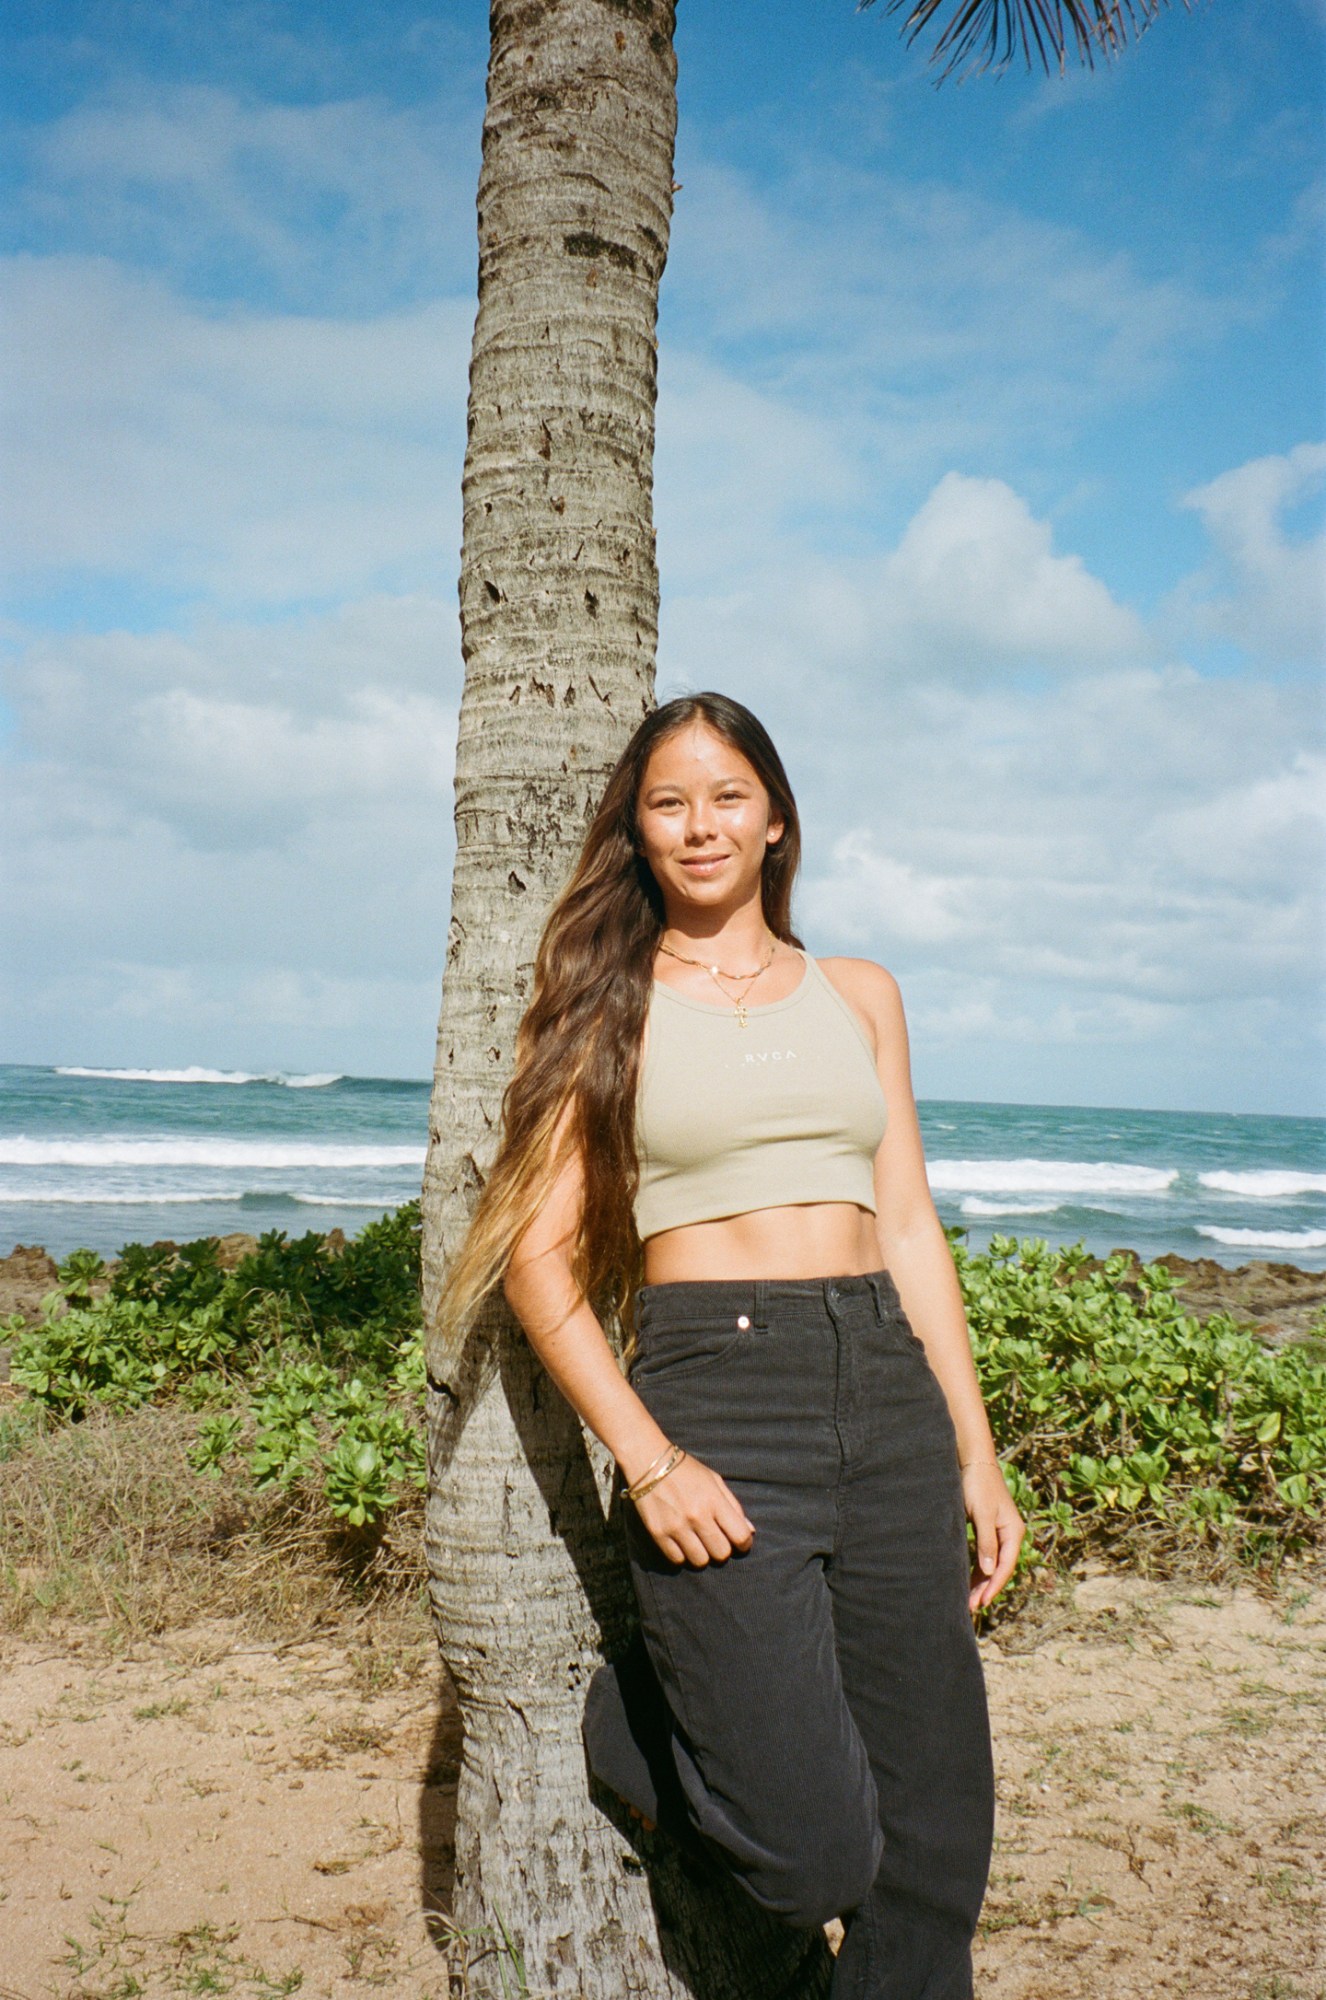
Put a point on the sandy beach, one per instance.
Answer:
(209, 1813)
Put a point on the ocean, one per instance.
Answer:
(101, 1157)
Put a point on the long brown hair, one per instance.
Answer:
(578, 1043)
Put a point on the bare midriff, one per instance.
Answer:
(814, 1239)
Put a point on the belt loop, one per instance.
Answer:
(762, 1305)
(877, 1290)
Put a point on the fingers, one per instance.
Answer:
(733, 1518)
(707, 1538)
(700, 1520)
(1000, 1535)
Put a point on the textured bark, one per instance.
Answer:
(559, 607)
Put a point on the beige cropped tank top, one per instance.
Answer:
(728, 1119)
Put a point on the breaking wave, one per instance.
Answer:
(1265, 1239)
(1057, 1177)
(180, 1152)
(315, 1080)
(1266, 1183)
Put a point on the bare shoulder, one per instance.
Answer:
(872, 987)
(872, 991)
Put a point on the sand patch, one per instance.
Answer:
(1161, 1825)
(207, 1815)
(211, 1816)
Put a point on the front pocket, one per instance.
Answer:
(899, 1337)
(686, 1347)
(904, 1326)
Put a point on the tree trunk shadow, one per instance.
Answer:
(437, 1815)
(716, 1943)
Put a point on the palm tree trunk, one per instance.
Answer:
(559, 611)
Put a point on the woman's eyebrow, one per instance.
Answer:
(666, 784)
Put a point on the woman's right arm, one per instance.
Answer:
(693, 1514)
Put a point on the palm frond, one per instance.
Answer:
(988, 34)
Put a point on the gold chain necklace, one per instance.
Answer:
(716, 974)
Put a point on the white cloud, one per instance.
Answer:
(1143, 837)
(865, 893)
(240, 832)
(976, 571)
(1055, 839)
(249, 457)
(255, 754)
(974, 589)
(1250, 833)
(733, 461)
(1274, 585)
(201, 181)
(239, 1014)
(932, 319)
(235, 734)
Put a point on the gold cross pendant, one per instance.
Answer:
(741, 1013)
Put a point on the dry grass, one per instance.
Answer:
(106, 1523)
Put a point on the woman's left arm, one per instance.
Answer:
(916, 1254)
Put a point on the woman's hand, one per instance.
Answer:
(694, 1515)
(999, 1530)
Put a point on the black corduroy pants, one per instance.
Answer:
(812, 1710)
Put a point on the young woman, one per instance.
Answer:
(711, 1135)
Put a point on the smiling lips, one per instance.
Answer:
(705, 864)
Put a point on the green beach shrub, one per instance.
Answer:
(1127, 1428)
(1132, 1430)
(307, 1358)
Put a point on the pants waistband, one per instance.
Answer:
(759, 1296)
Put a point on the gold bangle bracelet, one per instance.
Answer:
(965, 1464)
(638, 1491)
(641, 1477)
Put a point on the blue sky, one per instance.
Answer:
(989, 472)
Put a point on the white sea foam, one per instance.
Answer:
(66, 1197)
(1266, 1239)
(180, 1152)
(83, 1198)
(1057, 1177)
(1266, 1183)
(315, 1080)
(974, 1205)
(341, 1201)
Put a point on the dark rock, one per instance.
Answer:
(1280, 1301)
(233, 1249)
(27, 1274)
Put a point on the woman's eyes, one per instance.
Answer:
(660, 804)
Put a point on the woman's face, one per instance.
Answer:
(705, 820)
